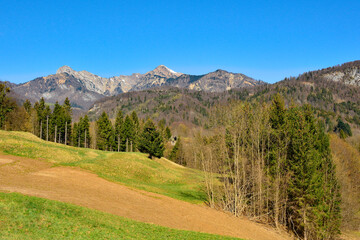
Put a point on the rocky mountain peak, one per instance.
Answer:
(221, 71)
(65, 69)
(164, 71)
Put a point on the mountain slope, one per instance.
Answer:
(84, 88)
(330, 97)
(56, 88)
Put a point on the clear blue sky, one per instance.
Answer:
(266, 40)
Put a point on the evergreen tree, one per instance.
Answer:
(40, 111)
(312, 193)
(104, 134)
(46, 129)
(57, 123)
(85, 132)
(75, 135)
(176, 153)
(151, 141)
(119, 121)
(136, 126)
(167, 133)
(343, 129)
(27, 106)
(67, 119)
(6, 105)
(128, 133)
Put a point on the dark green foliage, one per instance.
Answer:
(119, 122)
(136, 126)
(104, 133)
(167, 133)
(27, 106)
(6, 105)
(343, 129)
(176, 153)
(81, 136)
(67, 118)
(150, 141)
(300, 149)
(128, 136)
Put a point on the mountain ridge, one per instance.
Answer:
(84, 88)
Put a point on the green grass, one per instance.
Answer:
(131, 169)
(23, 217)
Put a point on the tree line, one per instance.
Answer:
(272, 164)
(127, 134)
(131, 134)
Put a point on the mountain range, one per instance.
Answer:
(333, 92)
(84, 88)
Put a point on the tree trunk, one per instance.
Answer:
(118, 142)
(65, 133)
(85, 140)
(55, 133)
(127, 145)
(47, 128)
(41, 129)
(131, 146)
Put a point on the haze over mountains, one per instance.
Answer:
(84, 88)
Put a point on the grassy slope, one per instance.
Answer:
(132, 169)
(23, 217)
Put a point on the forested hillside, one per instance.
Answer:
(265, 150)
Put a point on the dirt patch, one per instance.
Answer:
(5, 161)
(76, 186)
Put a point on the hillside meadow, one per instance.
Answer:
(24, 217)
(134, 170)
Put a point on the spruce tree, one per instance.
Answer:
(119, 122)
(85, 132)
(104, 134)
(128, 133)
(6, 105)
(27, 106)
(136, 126)
(167, 133)
(175, 154)
(151, 141)
(313, 192)
(67, 119)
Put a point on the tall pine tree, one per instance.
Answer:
(151, 141)
(104, 133)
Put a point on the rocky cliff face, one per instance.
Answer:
(349, 76)
(57, 87)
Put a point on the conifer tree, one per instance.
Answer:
(151, 141)
(128, 133)
(57, 122)
(6, 105)
(175, 154)
(104, 133)
(27, 106)
(119, 121)
(67, 119)
(136, 126)
(85, 132)
(167, 133)
(40, 110)
(312, 193)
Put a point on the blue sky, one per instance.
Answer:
(266, 40)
